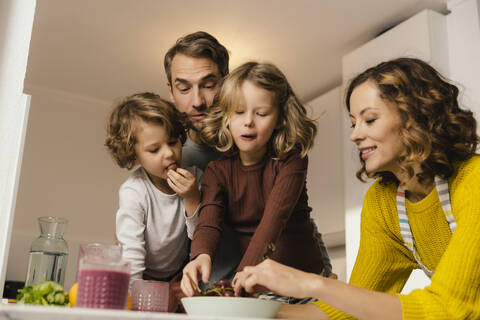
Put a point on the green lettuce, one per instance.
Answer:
(47, 293)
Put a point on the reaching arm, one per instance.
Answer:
(381, 269)
(208, 232)
(202, 265)
(362, 303)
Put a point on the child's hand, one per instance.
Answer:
(200, 265)
(184, 184)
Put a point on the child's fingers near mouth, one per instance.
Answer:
(172, 166)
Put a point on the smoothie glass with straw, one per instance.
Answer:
(103, 277)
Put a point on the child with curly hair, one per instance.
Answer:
(159, 201)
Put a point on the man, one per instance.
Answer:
(195, 66)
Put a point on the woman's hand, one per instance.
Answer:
(183, 182)
(202, 265)
(273, 276)
(239, 291)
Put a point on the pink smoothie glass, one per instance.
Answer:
(150, 295)
(103, 277)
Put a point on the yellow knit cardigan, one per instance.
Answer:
(384, 263)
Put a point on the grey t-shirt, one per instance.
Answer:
(198, 155)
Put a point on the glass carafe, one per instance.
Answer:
(49, 252)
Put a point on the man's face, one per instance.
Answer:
(195, 81)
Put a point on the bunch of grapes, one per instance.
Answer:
(221, 288)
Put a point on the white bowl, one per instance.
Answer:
(231, 307)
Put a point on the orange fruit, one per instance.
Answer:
(72, 295)
(129, 302)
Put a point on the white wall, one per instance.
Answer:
(338, 260)
(325, 176)
(325, 171)
(464, 50)
(66, 172)
(16, 21)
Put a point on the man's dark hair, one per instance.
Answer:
(198, 45)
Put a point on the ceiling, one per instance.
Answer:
(106, 49)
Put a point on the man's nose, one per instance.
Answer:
(198, 99)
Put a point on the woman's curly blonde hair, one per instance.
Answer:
(295, 131)
(122, 123)
(435, 131)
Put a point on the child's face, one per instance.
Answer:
(253, 122)
(156, 152)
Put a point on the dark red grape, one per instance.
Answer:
(222, 287)
(225, 283)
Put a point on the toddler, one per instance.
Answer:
(159, 201)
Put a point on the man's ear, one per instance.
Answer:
(170, 93)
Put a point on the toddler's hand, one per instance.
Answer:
(183, 183)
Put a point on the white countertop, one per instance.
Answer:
(26, 312)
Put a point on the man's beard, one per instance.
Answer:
(191, 125)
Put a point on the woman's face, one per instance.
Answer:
(376, 124)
